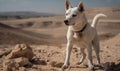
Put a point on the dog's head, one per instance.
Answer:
(73, 14)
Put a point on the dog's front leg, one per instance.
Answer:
(68, 52)
(69, 48)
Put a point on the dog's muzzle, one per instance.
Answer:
(66, 22)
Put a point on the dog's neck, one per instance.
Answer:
(81, 30)
(81, 25)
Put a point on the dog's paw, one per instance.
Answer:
(64, 67)
(91, 67)
(78, 63)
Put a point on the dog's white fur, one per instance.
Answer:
(76, 20)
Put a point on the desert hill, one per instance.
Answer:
(11, 35)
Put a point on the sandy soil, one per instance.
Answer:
(47, 37)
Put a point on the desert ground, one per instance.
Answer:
(47, 38)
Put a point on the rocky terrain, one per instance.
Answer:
(38, 44)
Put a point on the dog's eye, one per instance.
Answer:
(74, 15)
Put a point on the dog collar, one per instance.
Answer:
(81, 29)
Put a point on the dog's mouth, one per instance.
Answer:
(69, 24)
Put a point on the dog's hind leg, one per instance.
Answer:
(83, 56)
(96, 47)
(90, 61)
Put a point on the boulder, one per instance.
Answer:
(21, 50)
(13, 64)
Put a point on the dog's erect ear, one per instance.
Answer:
(81, 7)
(68, 5)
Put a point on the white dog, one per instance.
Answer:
(81, 33)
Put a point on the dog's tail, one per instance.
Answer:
(96, 18)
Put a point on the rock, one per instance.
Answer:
(22, 69)
(107, 66)
(23, 62)
(59, 65)
(56, 64)
(52, 63)
(75, 50)
(19, 56)
(21, 50)
(39, 61)
(12, 64)
(9, 65)
(106, 46)
(4, 53)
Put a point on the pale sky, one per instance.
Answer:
(51, 6)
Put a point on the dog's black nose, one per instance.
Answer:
(66, 22)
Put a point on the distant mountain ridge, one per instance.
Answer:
(22, 15)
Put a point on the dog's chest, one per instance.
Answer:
(79, 39)
(78, 36)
